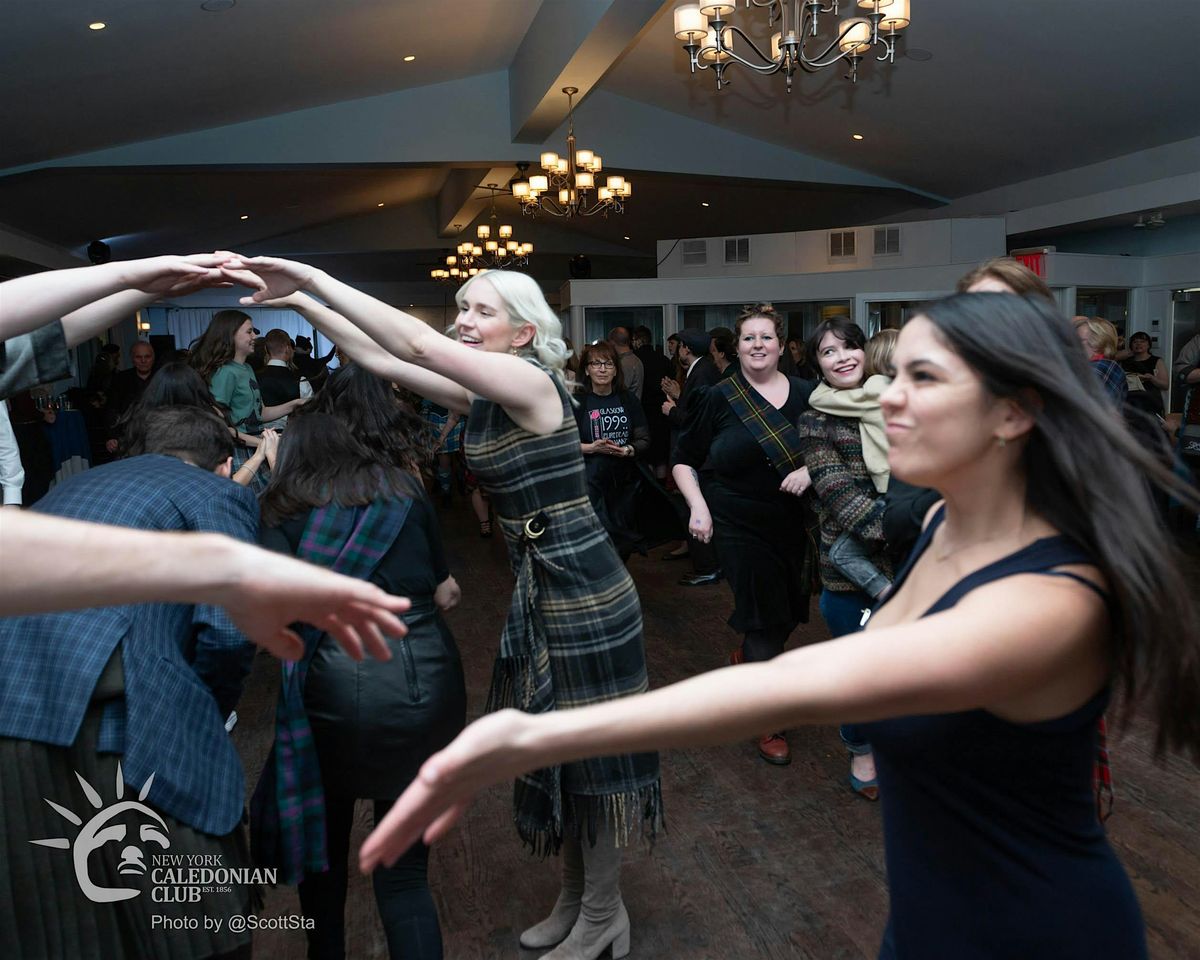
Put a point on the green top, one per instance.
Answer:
(234, 386)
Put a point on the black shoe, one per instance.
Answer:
(700, 579)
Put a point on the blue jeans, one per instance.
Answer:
(843, 613)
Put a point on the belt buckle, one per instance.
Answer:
(536, 525)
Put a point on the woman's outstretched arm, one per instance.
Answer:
(50, 563)
(368, 354)
(527, 395)
(1030, 647)
(112, 290)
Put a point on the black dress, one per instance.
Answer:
(993, 845)
(758, 530)
(374, 723)
(614, 483)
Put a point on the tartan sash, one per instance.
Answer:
(288, 806)
(777, 437)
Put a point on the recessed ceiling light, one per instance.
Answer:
(379, 204)
(97, 25)
(410, 58)
(856, 136)
(245, 216)
(704, 203)
(216, 6)
(916, 53)
(626, 238)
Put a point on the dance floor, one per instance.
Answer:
(757, 861)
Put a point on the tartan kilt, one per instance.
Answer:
(573, 635)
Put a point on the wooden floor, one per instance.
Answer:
(758, 861)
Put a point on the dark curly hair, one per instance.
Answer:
(375, 416)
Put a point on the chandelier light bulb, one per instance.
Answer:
(564, 166)
(857, 39)
(473, 271)
(895, 16)
(715, 10)
(491, 246)
(477, 251)
(710, 53)
(690, 24)
(583, 157)
(583, 181)
(505, 231)
(501, 254)
(451, 260)
(615, 183)
(527, 248)
(874, 6)
(520, 189)
(483, 231)
(604, 193)
(549, 160)
(512, 246)
(539, 183)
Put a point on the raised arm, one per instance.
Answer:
(368, 354)
(527, 394)
(1033, 640)
(112, 290)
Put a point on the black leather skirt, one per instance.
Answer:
(374, 722)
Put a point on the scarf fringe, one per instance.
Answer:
(623, 816)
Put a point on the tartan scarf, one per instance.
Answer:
(778, 438)
(288, 807)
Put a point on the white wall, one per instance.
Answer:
(922, 243)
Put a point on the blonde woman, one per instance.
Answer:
(574, 629)
(1099, 339)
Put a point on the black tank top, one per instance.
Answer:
(993, 846)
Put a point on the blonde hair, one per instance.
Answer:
(1102, 335)
(525, 303)
(879, 350)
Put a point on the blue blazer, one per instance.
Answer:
(184, 664)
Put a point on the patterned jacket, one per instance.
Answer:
(183, 664)
(832, 448)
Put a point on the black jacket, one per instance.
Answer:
(703, 374)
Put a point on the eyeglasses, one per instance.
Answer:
(601, 364)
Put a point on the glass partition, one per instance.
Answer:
(597, 321)
(802, 316)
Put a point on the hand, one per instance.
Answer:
(700, 525)
(268, 446)
(447, 594)
(609, 447)
(670, 386)
(110, 446)
(489, 751)
(163, 275)
(796, 482)
(271, 278)
(589, 448)
(269, 591)
(667, 407)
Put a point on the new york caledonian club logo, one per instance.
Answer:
(110, 823)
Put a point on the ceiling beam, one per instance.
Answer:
(461, 200)
(568, 44)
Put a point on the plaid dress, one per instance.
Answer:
(573, 635)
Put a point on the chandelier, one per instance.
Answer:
(708, 36)
(494, 248)
(572, 179)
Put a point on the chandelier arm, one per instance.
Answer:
(817, 63)
(768, 67)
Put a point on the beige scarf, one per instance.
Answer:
(862, 404)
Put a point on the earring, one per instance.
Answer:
(514, 351)
(1000, 442)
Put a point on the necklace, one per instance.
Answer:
(941, 555)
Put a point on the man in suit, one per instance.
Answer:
(313, 369)
(701, 372)
(147, 685)
(127, 389)
(655, 367)
(279, 381)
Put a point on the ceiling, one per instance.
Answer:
(1002, 99)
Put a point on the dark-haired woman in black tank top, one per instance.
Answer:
(1043, 582)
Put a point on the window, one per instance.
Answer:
(693, 253)
(841, 244)
(737, 250)
(887, 241)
